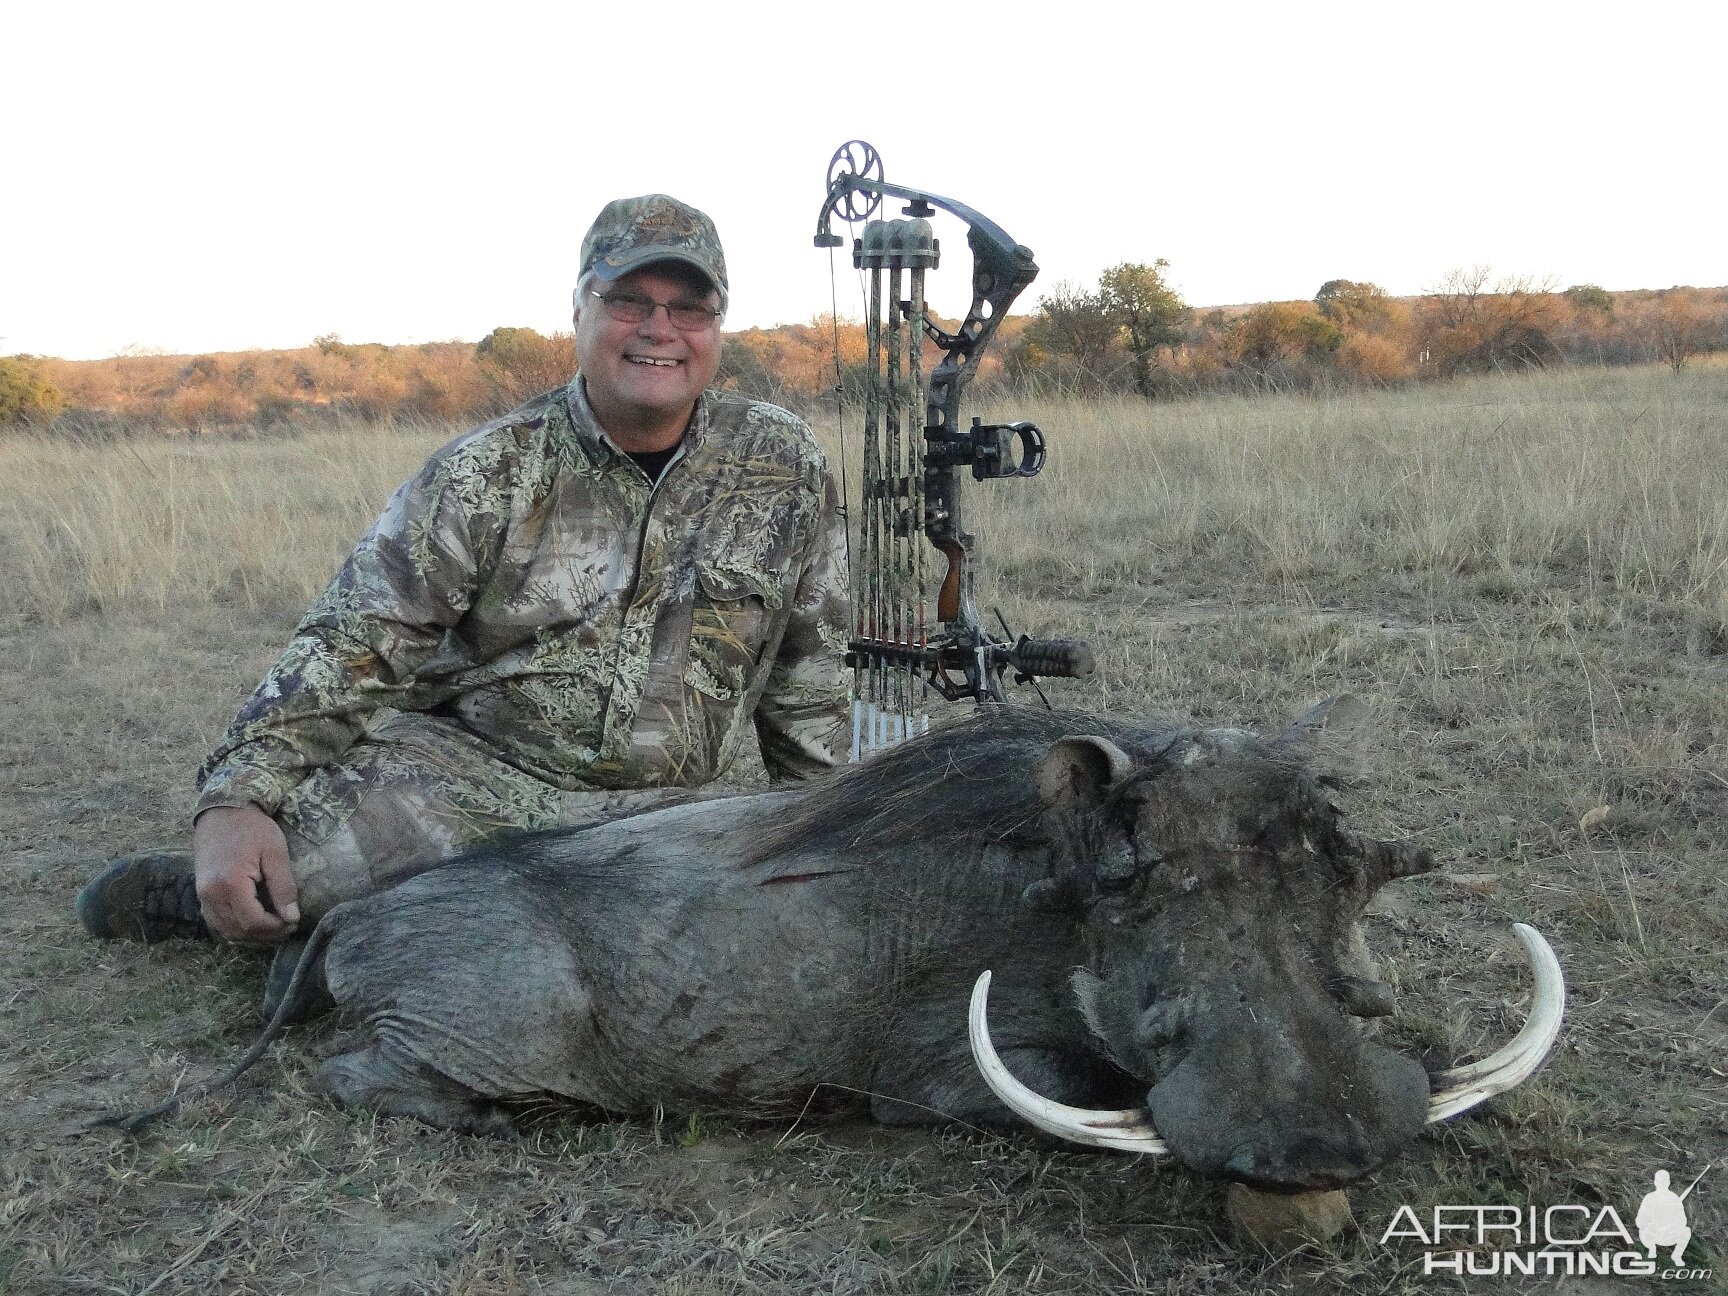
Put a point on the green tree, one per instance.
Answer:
(1353, 305)
(1277, 333)
(25, 394)
(1148, 311)
(521, 363)
(1591, 297)
(1075, 325)
(331, 344)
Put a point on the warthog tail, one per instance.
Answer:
(293, 1001)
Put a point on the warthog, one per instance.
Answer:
(1170, 916)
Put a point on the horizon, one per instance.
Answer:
(726, 329)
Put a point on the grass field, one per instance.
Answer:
(1526, 577)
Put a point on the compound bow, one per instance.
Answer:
(911, 489)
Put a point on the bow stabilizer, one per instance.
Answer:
(910, 488)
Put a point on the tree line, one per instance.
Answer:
(1133, 333)
(1130, 333)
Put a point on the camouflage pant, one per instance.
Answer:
(415, 791)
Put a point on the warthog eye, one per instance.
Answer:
(1114, 867)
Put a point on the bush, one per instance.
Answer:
(1590, 297)
(1370, 358)
(520, 363)
(25, 395)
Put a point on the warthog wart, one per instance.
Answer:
(1170, 917)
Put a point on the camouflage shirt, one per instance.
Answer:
(598, 631)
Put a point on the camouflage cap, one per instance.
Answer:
(630, 233)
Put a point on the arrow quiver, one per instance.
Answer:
(916, 626)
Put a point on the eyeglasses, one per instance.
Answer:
(630, 308)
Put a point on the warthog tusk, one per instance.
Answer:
(1461, 1088)
(1126, 1131)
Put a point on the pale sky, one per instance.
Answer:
(205, 177)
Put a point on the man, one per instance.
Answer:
(569, 614)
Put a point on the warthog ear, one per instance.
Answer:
(1330, 738)
(1080, 769)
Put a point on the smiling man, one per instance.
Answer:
(570, 614)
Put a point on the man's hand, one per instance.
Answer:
(244, 885)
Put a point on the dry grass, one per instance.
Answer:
(155, 523)
(1606, 481)
(1524, 576)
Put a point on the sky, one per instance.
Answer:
(197, 177)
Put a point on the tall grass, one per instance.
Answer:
(152, 523)
(1606, 482)
(1611, 480)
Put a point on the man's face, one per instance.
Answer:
(641, 375)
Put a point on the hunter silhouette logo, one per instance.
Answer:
(1504, 1240)
(1662, 1217)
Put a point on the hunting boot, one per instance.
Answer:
(145, 898)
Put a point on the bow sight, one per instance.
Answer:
(910, 489)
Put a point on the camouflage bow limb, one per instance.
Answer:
(911, 488)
